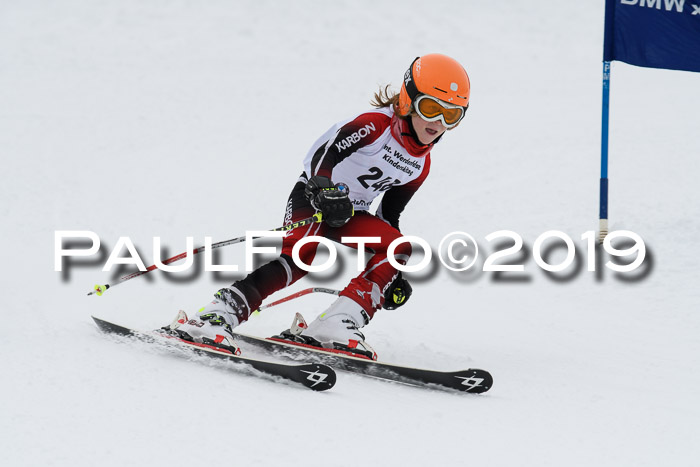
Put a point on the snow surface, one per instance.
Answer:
(176, 118)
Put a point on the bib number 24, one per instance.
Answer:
(381, 184)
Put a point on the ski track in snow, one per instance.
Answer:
(147, 118)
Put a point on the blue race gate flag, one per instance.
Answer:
(653, 33)
(648, 33)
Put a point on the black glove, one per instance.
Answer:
(332, 200)
(397, 293)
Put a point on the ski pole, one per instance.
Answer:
(301, 293)
(100, 289)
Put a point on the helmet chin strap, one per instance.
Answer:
(404, 132)
(414, 135)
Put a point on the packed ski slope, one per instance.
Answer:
(176, 119)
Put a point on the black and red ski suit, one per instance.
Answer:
(374, 153)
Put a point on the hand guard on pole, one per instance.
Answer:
(397, 293)
(330, 199)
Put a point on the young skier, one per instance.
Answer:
(383, 151)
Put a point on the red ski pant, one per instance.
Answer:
(368, 288)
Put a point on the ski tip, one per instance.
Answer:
(97, 320)
(111, 328)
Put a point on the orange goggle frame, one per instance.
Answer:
(431, 109)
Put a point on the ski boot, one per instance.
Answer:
(336, 330)
(213, 324)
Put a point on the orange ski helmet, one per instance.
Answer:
(438, 76)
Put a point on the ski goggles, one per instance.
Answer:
(431, 109)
